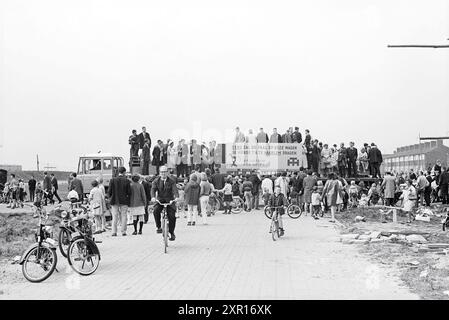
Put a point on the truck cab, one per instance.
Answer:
(93, 166)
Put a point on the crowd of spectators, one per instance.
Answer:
(320, 157)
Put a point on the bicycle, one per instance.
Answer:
(83, 247)
(274, 226)
(165, 222)
(66, 228)
(41, 254)
(293, 210)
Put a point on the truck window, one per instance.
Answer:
(91, 165)
(107, 165)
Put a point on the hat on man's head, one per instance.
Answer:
(296, 128)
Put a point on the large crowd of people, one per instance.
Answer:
(189, 175)
(323, 158)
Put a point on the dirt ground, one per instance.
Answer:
(425, 273)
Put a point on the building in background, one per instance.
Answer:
(417, 157)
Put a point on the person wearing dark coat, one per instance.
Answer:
(296, 136)
(143, 136)
(342, 160)
(164, 188)
(147, 187)
(133, 140)
(77, 185)
(256, 180)
(46, 186)
(54, 184)
(32, 188)
(352, 155)
(119, 192)
(375, 160)
(146, 157)
(315, 156)
(157, 156)
(444, 185)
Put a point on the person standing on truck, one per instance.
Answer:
(133, 140)
(77, 185)
(119, 193)
(146, 157)
(143, 136)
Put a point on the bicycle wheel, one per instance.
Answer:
(237, 205)
(294, 211)
(274, 229)
(165, 234)
(64, 240)
(82, 258)
(267, 211)
(37, 270)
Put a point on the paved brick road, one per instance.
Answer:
(233, 257)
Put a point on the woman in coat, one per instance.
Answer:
(157, 156)
(192, 197)
(205, 190)
(137, 203)
(172, 154)
(331, 190)
(97, 203)
(409, 198)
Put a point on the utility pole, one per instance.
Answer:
(37, 162)
(434, 46)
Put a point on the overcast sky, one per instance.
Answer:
(77, 76)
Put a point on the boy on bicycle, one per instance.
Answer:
(278, 200)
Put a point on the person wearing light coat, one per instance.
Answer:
(389, 187)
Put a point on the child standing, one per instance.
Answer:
(181, 201)
(316, 202)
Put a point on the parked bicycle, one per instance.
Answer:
(67, 227)
(40, 259)
(165, 222)
(83, 254)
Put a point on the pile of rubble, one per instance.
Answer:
(415, 240)
(382, 236)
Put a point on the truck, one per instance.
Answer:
(96, 165)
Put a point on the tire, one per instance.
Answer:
(294, 211)
(64, 240)
(86, 249)
(47, 273)
(274, 230)
(237, 205)
(267, 212)
(165, 234)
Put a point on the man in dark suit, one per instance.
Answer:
(119, 192)
(47, 189)
(296, 136)
(352, 155)
(375, 160)
(147, 187)
(143, 136)
(146, 157)
(54, 184)
(444, 184)
(133, 140)
(164, 188)
(77, 185)
(32, 188)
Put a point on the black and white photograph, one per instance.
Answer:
(224, 151)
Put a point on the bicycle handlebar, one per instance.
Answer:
(165, 204)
